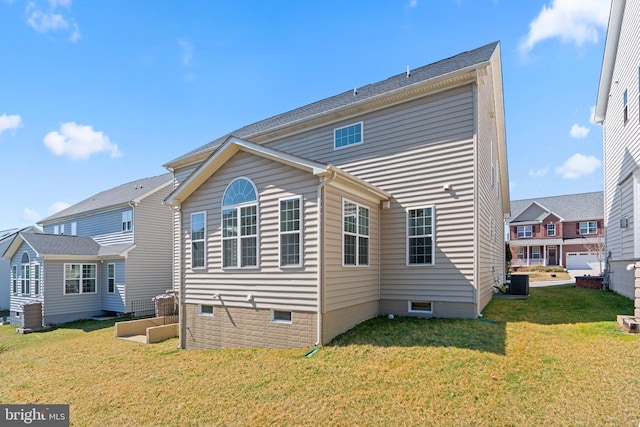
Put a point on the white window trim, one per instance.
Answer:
(410, 310)
(109, 277)
(554, 229)
(361, 123)
(588, 227)
(238, 236)
(299, 232)
(357, 234)
(80, 291)
(202, 313)
(274, 320)
(74, 228)
(127, 223)
(524, 235)
(204, 240)
(38, 279)
(433, 236)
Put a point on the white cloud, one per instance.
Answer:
(31, 215)
(187, 49)
(10, 122)
(579, 132)
(52, 19)
(413, 3)
(539, 172)
(57, 207)
(577, 21)
(578, 166)
(79, 142)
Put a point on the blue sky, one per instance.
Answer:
(94, 94)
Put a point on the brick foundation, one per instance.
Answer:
(232, 327)
(590, 282)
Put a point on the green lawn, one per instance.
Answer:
(554, 359)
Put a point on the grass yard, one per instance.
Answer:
(555, 359)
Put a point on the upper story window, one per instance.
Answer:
(290, 232)
(625, 106)
(588, 227)
(355, 233)
(127, 220)
(240, 224)
(525, 231)
(551, 229)
(198, 234)
(25, 274)
(420, 236)
(74, 228)
(348, 135)
(58, 229)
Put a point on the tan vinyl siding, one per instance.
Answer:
(490, 257)
(440, 117)
(347, 286)
(148, 265)
(270, 285)
(411, 151)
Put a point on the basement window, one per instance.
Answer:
(424, 307)
(279, 316)
(206, 310)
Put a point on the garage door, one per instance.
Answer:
(582, 261)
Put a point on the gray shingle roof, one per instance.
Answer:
(572, 207)
(436, 69)
(119, 195)
(57, 244)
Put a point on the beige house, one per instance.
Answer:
(385, 199)
(618, 110)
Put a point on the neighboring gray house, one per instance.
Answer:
(6, 236)
(618, 110)
(389, 198)
(562, 230)
(96, 256)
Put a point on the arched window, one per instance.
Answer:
(240, 224)
(25, 274)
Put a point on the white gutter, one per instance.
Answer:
(609, 58)
(320, 205)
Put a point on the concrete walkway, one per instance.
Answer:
(572, 273)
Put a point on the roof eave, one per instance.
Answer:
(609, 58)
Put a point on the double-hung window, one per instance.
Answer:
(25, 275)
(355, 233)
(240, 224)
(127, 220)
(420, 236)
(625, 106)
(588, 227)
(525, 231)
(111, 278)
(535, 252)
(14, 278)
(290, 232)
(80, 278)
(36, 278)
(551, 229)
(198, 234)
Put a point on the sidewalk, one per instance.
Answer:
(572, 273)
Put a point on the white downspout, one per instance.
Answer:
(320, 205)
(182, 319)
